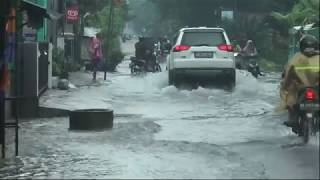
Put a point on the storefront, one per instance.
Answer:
(13, 76)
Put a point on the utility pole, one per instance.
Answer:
(2, 94)
(77, 28)
(12, 19)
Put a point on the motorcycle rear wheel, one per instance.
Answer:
(306, 129)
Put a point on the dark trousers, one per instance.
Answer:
(95, 67)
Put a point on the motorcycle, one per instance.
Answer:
(253, 68)
(249, 63)
(139, 66)
(308, 113)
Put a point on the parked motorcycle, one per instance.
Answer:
(308, 113)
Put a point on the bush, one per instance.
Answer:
(116, 58)
(58, 63)
(74, 67)
(267, 65)
(60, 67)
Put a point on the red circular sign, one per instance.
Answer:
(72, 13)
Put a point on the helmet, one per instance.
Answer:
(309, 45)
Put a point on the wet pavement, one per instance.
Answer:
(164, 132)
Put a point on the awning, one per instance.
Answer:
(39, 10)
(306, 27)
(53, 15)
(91, 31)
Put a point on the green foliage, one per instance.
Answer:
(305, 11)
(58, 64)
(270, 44)
(176, 14)
(166, 17)
(111, 44)
(60, 67)
(92, 6)
(100, 18)
(116, 58)
(267, 65)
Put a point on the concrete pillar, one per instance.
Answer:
(50, 65)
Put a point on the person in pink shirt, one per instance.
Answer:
(96, 53)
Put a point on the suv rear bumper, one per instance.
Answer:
(203, 71)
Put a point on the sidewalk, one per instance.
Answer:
(84, 94)
(58, 103)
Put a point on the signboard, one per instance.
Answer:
(227, 15)
(29, 34)
(72, 14)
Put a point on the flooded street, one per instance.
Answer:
(164, 132)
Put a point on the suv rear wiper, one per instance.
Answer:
(201, 45)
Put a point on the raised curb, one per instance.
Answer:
(46, 112)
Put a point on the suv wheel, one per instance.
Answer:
(171, 77)
(232, 79)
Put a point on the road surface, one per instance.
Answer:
(164, 132)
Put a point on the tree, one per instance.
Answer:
(100, 12)
(92, 6)
(305, 11)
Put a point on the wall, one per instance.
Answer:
(42, 32)
(52, 24)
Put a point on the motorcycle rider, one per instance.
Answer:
(140, 48)
(249, 54)
(150, 56)
(144, 51)
(302, 71)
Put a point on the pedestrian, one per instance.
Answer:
(96, 53)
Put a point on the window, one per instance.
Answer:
(203, 38)
(175, 38)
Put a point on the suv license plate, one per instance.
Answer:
(310, 106)
(203, 54)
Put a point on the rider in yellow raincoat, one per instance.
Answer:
(302, 71)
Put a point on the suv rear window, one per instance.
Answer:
(203, 39)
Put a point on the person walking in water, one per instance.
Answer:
(96, 53)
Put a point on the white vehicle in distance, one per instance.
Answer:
(201, 52)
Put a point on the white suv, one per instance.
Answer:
(201, 52)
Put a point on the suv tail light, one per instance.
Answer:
(225, 47)
(181, 48)
(310, 94)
